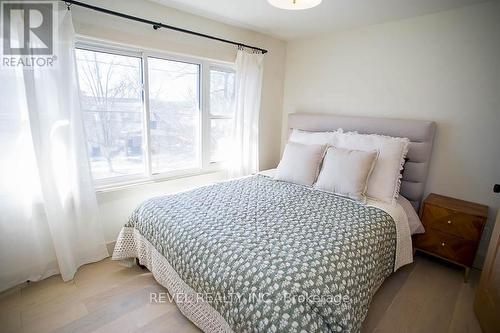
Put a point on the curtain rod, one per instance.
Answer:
(158, 25)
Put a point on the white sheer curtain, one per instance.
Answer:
(48, 210)
(245, 158)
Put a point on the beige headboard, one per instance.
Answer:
(420, 133)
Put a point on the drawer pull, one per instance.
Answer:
(449, 222)
(443, 244)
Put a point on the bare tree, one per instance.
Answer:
(107, 82)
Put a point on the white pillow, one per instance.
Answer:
(416, 226)
(313, 138)
(300, 163)
(346, 172)
(385, 180)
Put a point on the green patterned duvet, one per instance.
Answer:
(272, 256)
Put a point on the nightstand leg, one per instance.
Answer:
(466, 274)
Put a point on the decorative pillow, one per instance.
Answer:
(385, 180)
(300, 163)
(416, 226)
(346, 172)
(313, 138)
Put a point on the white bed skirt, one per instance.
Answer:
(131, 244)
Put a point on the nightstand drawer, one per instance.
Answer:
(447, 246)
(452, 222)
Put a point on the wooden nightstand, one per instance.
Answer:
(453, 229)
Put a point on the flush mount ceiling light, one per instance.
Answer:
(294, 4)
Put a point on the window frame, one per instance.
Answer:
(205, 65)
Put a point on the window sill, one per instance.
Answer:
(140, 182)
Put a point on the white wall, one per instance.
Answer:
(117, 206)
(443, 67)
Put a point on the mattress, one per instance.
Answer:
(259, 255)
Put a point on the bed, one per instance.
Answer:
(258, 255)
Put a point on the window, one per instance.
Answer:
(146, 117)
(111, 101)
(174, 115)
(222, 92)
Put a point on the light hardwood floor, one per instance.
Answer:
(427, 296)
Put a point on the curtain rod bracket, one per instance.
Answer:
(156, 26)
(68, 5)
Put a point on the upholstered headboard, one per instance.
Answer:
(420, 133)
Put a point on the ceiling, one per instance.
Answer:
(330, 15)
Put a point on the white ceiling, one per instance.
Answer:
(330, 15)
